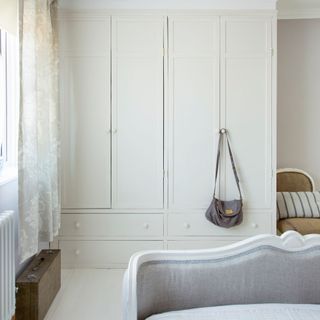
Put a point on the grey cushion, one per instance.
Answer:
(262, 275)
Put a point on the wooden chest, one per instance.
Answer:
(38, 285)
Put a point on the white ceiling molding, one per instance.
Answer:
(298, 9)
(299, 14)
(169, 4)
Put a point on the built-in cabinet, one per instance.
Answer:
(142, 99)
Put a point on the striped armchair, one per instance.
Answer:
(295, 180)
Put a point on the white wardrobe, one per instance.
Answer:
(143, 96)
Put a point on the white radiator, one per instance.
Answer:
(7, 266)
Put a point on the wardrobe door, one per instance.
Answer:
(85, 111)
(246, 54)
(194, 109)
(137, 112)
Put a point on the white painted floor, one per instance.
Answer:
(88, 294)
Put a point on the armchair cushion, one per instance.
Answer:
(303, 226)
(298, 205)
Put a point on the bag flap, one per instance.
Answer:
(229, 208)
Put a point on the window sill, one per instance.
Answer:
(8, 174)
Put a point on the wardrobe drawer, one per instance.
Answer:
(112, 225)
(198, 244)
(101, 254)
(198, 225)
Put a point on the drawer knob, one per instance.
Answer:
(77, 252)
(77, 225)
(187, 225)
(146, 226)
(254, 225)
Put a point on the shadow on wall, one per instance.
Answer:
(299, 95)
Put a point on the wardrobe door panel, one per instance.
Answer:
(246, 73)
(138, 35)
(85, 35)
(137, 84)
(190, 36)
(194, 109)
(247, 37)
(85, 113)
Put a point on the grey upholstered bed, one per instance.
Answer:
(268, 271)
(246, 312)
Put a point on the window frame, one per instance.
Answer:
(9, 96)
(3, 97)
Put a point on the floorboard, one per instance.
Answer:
(88, 294)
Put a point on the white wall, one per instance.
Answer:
(9, 201)
(299, 95)
(9, 15)
(9, 191)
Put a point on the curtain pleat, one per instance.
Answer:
(38, 151)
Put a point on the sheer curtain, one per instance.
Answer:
(38, 154)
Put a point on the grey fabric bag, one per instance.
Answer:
(225, 214)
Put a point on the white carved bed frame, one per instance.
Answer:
(147, 291)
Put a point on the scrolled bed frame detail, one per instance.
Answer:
(261, 269)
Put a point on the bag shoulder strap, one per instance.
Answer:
(223, 132)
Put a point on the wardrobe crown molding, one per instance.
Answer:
(102, 14)
(170, 4)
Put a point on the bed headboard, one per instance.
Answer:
(263, 269)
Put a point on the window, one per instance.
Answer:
(8, 98)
